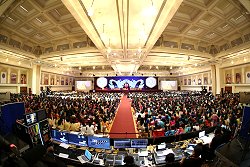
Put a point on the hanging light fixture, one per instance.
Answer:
(91, 9)
(151, 9)
(102, 34)
(109, 49)
(139, 49)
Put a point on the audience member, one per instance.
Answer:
(194, 160)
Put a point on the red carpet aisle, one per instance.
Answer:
(123, 121)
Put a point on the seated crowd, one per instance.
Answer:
(176, 113)
(85, 112)
(170, 112)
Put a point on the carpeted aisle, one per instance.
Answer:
(123, 121)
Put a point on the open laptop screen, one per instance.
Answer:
(88, 155)
(201, 134)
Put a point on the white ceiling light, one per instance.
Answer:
(91, 10)
(24, 8)
(139, 49)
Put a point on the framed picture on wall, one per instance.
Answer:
(46, 80)
(248, 77)
(66, 81)
(228, 79)
(199, 81)
(13, 78)
(205, 81)
(185, 81)
(23, 79)
(52, 81)
(62, 81)
(238, 78)
(3, 77)
(70, 81)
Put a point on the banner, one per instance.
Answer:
(3, 77)
(248, 77)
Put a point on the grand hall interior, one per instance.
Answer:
(124, 83)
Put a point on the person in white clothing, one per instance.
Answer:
(90, 130)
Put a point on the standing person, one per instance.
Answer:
(90, 129)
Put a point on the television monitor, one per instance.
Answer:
(161, 146)
(31, 118)
(59, 136)
(99, 142)
(122, 143)
(78, 140)
(201, 134)
(139, 143)
(88, 155)
(41, 115)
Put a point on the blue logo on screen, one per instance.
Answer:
(102, 143)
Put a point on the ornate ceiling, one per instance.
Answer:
(124, 37)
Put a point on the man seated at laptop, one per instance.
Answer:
(129, 161)
(194, 160)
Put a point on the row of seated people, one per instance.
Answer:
(86, 112)
(176, 114)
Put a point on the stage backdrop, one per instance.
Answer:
(130, 82)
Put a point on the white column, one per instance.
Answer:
(42, 79)
(18, 76)
(36, 76)
(202, 79)
(8, 75)
(213, 76)
(243, 75)
(233, 76)
(209, 78)
(49, 80)
(218, 79)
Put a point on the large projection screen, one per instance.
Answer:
(169, 85)
(83, 85)
(130, 82)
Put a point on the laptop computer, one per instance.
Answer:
(86, 157)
